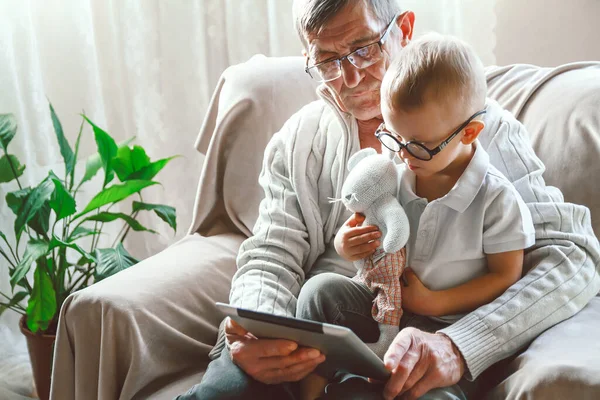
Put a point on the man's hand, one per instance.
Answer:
(270, 361)
(354, 242)
(421, 361)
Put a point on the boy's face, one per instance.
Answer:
(431, 124)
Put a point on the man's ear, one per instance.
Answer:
(406, 22)
(472, 131)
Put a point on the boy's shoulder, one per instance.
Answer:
(496, 183)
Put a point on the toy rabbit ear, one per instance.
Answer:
(359, 155)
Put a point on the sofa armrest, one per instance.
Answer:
(124, 336)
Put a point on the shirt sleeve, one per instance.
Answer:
(507, 224)
(270, 262)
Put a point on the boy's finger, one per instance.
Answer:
(361, 230)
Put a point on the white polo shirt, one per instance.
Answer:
(450, 237)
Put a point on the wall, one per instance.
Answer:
(547, 32)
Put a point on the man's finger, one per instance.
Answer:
(424, 385)
(401, 358)
(297, 357)
(398, 348)
(291, 373)
(273, 347)
(233, 328)
(419, 370)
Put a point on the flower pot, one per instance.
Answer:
(41, 349)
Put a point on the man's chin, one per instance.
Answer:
(364, 110)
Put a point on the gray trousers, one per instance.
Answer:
(330, 298)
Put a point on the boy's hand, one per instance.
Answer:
(416, 298)
(354, 242)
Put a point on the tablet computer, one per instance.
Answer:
(342, 348)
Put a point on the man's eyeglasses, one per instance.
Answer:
(361, 58)
(416, 149)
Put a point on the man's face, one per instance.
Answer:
(357, 90)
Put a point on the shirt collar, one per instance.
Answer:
(464, 191)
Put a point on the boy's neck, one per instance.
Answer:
(439, 184)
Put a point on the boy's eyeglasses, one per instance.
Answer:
(361, 58)
(416, 149)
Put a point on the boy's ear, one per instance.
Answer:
(472, 131)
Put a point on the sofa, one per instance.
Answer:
(147, 331)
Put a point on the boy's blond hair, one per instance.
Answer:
(435, 68)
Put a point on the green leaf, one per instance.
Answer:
(17, 298)
(111, 261)
(61, 202)
(8, 129)
(40, 222)
(94, 163)
(34, 250)
(129, 161)
(166, 213)
(115, 194)
(16, 199)
(107, 149)
(63, 143)
(34, 202)
(42, 302)
(56, 242)
(151, 170)
(7, 173)
(80, 232)
(108, 217)
(76, 153)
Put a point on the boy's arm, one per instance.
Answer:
(504, 270)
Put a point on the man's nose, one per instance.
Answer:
(352, 75)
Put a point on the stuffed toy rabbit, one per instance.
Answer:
(371, 189)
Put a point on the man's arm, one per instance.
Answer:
(270, 262)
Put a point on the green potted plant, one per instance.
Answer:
(61, 239)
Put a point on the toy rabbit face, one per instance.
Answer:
(370, 177)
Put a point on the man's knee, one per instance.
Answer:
(319, 297)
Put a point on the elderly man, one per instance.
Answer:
(348, 46)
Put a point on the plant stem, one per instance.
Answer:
(133, 215)
(17, 260)
(19, 310)
(12, 167)
(81, 278)
(15, 305)
(7, 259)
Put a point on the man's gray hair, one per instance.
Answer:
(310, 16)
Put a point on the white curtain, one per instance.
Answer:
(146, 68)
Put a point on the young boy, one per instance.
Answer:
(468, 224)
